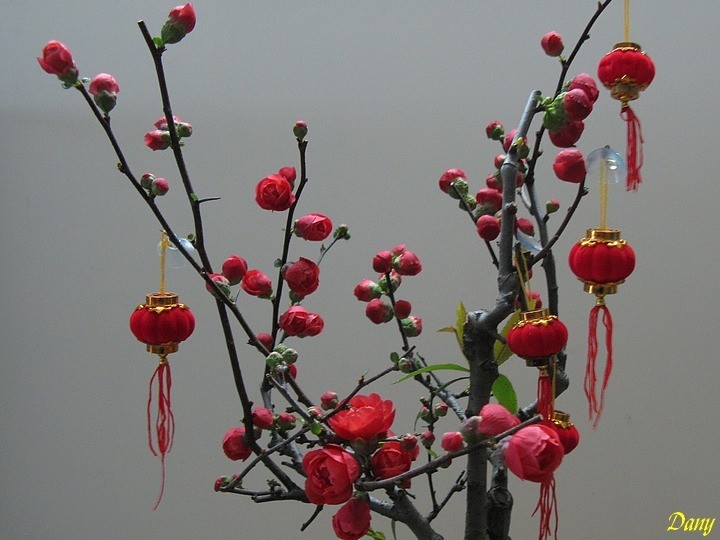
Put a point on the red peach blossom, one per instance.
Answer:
(57, 60)
(488, 227)
(552, 44)
(313, 227)
(393, 459)
(587, 84)
(367, 417)
(382, 261)
(534, 452)
(157, 140)
(234, 268)
(448, 177)
(452, 441)
(181, 21)
(569, 165)
(234, 444)
(302, 276)
(352, 521)
(366, 290)
(255, 283)
(297, 321)
(408, 264)
(495, 419)
(262, 417)
(378, 311)
(576, 104)
(402, 309)
(274, 192)
(289, 173)
(331, 472)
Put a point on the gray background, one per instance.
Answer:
(394, 94)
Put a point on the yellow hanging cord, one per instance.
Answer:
(627, 20)
(603, 191)
(164, 243)
(522, 273)
(552, 383)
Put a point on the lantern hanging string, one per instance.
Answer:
(521, 265)
(164, 243)
(627, 20)
(603, 191)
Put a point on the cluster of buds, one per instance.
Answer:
(235, 271)
(159, 138)
(154, 186)
(391, 266)
(565, 113)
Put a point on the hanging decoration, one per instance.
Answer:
(565, 429)
(626, 71)
(602, 260)
(161, 323)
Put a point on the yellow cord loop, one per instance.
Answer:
(164, 243)
(603, 191)
(627, 20)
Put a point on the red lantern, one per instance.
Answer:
(534, 453)
(602, 261)
(161, 323)
(626, 71)
(537, 336)
(565, 429)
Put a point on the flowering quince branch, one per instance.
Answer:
(348, 450)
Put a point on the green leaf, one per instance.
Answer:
(436, 367)
(377, 535)
(432, 453)
(505, 394)
(158, 41)
(502, 351)
(394, 357)
(460, 317)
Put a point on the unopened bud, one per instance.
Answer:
(274, 359)
(300, 130)
(329, 400)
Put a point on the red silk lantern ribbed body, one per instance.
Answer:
(626, 71)
(537, 336)
(565, 429)
(161, 323)
(602, 261)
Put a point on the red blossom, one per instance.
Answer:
(313, 227)
(234, 268)
(289, 173)
(262, 417)
(352, 521)
(104, 82)
(378, 311)
(382, 261)
(568, 134)
(569, 165)
(448, 177)
(302, 276)
(297, 321)
(57, 60)
(331, 472)
(393, 459)
(488, 227)
(495, 419)
(366, 290)
(234, 444)
(408, 264)
(255, 283)
(157, 140)
(452, 441)
(552, 44)
(365, 418)
(274, 192)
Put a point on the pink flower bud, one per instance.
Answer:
(293, 371)
(104, 89)
(395, 281)
(509, 138)
(382, 262)
(181, 21)
(286, 421)
(378, 311)
(568, 134)
(159, 187)
(262, 417)
(329, 400)
(552, 206)
(533, 295)
(255, 283)
(57, 60)
(569, 165)
(470, 430)
(440, 409)
(448, 178)
(493, 181)
(234, 268)
(576, 104)
(297, 321)
(427, 438)
(266, 340)
(402, 309)
(221, 282)
(408, 264)
(525, 226)
(552, 44)
(491, 197)
(452, 441)
(162, 123)
(289, 173)
(496, 419)
(409, 442)
(499, 160)
(587, 84)
(146, 180)
(302, 276)
(488, 227)
(494, 130)
(157, 140)
(234, 444)
(300, 130)
(366, 290)
(313, 227)
(412, 326)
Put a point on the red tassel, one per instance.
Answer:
(595, 409)
(544, 393)
(164, 420)
(547, 504)
(634, 148)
